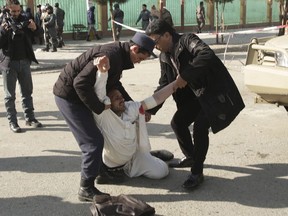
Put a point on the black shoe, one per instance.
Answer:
(111, 176)
(45, 50)
(15, 127)
(34, 123)
(88, 193)
(162, 154)
(193, 181)
(184, 162)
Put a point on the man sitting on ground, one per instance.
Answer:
(126, 142)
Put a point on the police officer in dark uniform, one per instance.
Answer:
(144, 16)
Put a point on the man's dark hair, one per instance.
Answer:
(12, 2)
(144, 5)
(159, 26)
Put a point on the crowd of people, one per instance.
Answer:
(50, 21)
(109, 127)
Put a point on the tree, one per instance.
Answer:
(283, 15)
(110, 2)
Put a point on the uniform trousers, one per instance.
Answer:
(189, 111)
(88, 136)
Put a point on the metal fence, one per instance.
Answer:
(76, 11)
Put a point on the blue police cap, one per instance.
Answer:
(143, 41)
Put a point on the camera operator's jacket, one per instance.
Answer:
(208, 80)
(76, 82)
(6, 43)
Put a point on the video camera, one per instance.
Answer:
(16, 27)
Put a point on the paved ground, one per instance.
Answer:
(246, 168)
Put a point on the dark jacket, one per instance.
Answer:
(7, 38)
(91, 16)
(60, 16)
(208, 80)
(118, 15)
(76, 82)
(145, 15)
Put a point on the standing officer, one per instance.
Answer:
(144, 16)
(60, 16)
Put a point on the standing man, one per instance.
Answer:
(155, 13)
(60, 16)
(49, 23)
(200, 17)
(38, 22)
(118, 16)
(77, 100)
(16, 54)
(144, 16)
(91, 23)
(166, 15)
(206, 96)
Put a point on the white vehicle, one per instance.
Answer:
(266, 70)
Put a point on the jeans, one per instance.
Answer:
(18, 70)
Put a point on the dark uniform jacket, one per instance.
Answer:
(60, 16)
(208, 80)
(76, 82)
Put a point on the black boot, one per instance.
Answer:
(87, 190)
(97, 37)
(54, 49)
(87, 38)
(46, 49)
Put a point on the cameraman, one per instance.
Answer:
(16, 55)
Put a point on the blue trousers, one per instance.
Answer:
(18, 70)
(88, 136)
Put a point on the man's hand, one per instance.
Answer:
(147, 116)
(32, 25)
(5, 26)
(180, 83)
(102, 63)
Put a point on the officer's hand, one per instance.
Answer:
(180, 82)
(147, 116)
(102, 63)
